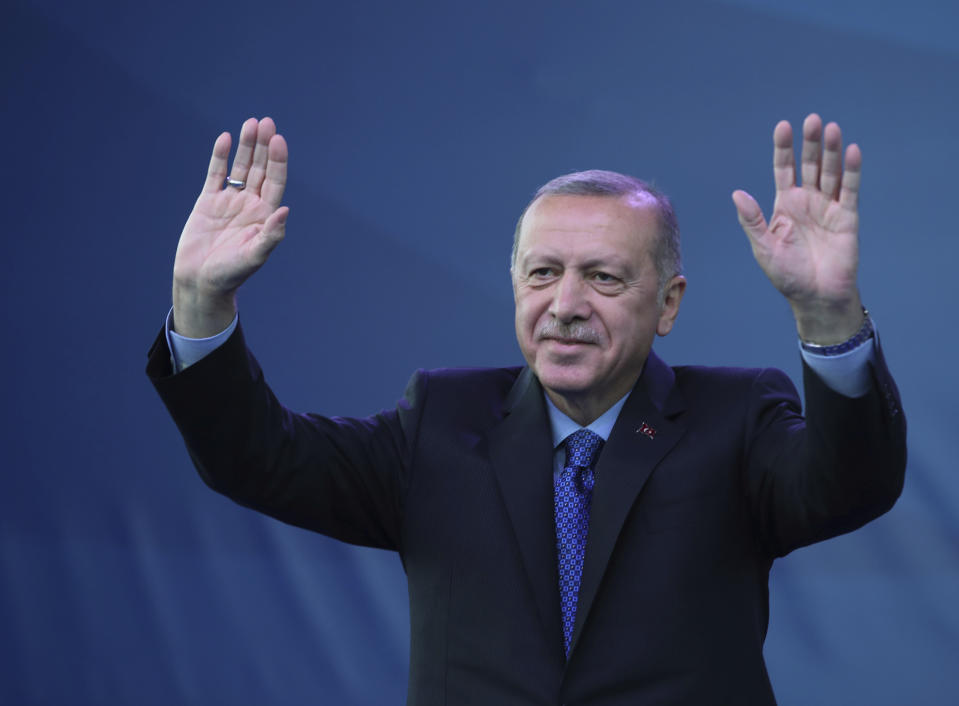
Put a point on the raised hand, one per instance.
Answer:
(232, 230)
(809, 249)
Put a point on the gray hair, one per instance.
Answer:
(597, 182)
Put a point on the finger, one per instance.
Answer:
(831, 161)
(216, 172)
(851, 177)
(244, 150)
(784, 162)
(273, 231)
(275, 182)
(265, 131)
(750, 215)
(811, 150)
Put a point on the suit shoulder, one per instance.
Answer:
(464, 387)
(729, 379)
(450, 402)
(464, 379)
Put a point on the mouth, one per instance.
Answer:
(567, 341)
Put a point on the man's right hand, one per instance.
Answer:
(231, 231)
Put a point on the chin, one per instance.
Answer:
(564, 380)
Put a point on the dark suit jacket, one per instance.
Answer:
(686, 519)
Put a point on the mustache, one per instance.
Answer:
(576, 331)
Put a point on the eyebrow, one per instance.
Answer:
(612, 260)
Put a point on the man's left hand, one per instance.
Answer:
(809, 249)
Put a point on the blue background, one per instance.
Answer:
(417, 133)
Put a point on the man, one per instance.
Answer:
(637, 571)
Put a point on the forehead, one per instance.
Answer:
(625, 225)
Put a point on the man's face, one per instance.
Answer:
(585, 287)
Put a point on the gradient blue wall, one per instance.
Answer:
(417, 133)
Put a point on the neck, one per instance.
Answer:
(586, 407)
(581, 409)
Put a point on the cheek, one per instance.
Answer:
(626, 326)
(528, 312)
(524, 327)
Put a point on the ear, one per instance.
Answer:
(674, 295)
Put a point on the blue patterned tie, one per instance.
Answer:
(573, 491)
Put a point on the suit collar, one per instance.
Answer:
(657, 381)
(648, 427)
(521, 452)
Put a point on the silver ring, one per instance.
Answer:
(238, 183)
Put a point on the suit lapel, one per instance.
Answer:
(642, 436)
(521, 450)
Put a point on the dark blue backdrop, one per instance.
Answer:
(417, 132)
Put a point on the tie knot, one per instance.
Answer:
(582, 448)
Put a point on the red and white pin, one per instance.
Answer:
(647, 430)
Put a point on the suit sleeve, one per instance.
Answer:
(342, 477)
(830, 473)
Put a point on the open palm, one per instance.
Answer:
(232, 230)
(809, 249)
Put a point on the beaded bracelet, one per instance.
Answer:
(865, 332)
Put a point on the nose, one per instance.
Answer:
(570, 300)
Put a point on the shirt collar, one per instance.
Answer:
(562, 426)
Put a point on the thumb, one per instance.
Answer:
(750, 215)
(273, 231)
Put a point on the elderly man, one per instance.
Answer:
(595, 527)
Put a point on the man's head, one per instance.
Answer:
(596, 275)
(599, 182)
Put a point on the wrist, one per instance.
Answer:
(827, 324)
(201, 314)
(865, 333)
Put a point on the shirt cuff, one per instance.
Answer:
(184, 351)
(847, 373)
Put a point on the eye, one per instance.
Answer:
(541, 276)
(604, 278)
(542, 273)
(606, 283)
